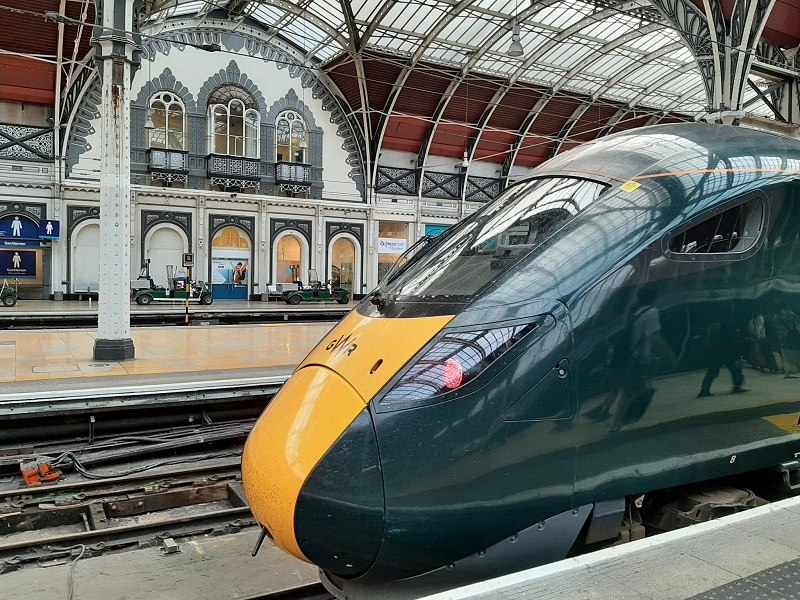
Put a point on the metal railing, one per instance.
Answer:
(161, 159)
(233, 166)
(292, 173)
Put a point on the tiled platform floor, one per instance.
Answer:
(36, 355)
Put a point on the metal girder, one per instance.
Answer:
(724, 54)
(773, 89)
(354, 48)
(436, 117)
(533, 59)
(366, 124)
(59, 73)
(767, 101)
(539, 107)
(692, 26)
(618, 116)
(576, 115)
(676, 74)
(291, 12)
(377, 20)
(397, 87)
(511, 157)
(352, 28)
(207, 7)
(747, 24)
(771, 61)
(602, 51)
(465, 70)
(76, 43)
(612, 122)
(609, 84)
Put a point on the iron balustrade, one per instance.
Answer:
(292, 173)
(240, 167)
(161, 159)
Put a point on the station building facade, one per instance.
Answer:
(241, 156)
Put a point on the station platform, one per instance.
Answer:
(750, 555)
(46, 369)
(42, 361)
(39, 313)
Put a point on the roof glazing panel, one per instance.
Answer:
(564, 14)
(592, 47)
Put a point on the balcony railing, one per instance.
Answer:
(239, 167)
(161, 159)
(168, 165)
(293, 177)
(292, 173)
(26, 143)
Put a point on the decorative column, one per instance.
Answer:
(723, 48)
(115, 52)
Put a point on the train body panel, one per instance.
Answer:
(626, 321)
(510, 473)
(296, 430)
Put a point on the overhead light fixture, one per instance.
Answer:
(465, 161)
(148, 122)
(515, 49)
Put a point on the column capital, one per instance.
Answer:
(116, 35)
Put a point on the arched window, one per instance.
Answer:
(169, 122)
(343, 259)
(233, 122)
(289, 259)
(291, 133)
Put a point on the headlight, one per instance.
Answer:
(457, 358)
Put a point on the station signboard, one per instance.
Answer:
(18, 232)
(17, 263)
(49, 229)
(14, 226)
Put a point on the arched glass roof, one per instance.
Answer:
(618, 50)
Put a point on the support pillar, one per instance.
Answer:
(114, 53)
(724, 48)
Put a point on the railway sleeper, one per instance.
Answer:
(97, 515)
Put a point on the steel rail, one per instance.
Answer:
(138, 529)
(173, 476)
(24, 404)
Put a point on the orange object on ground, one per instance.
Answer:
(36, 472)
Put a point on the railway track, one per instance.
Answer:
(115, 514)
(135, 488)
(71, 521)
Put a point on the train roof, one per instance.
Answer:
(679, 148)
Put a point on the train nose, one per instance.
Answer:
(311, 472)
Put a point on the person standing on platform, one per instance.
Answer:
(723, 349)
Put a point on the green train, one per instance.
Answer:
(626, 321)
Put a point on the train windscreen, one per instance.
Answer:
(490, 242)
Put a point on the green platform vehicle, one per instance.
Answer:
(144, 291)
(8, 294)
(315, 291)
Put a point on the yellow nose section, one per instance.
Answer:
(368, 352)
(296, 430)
